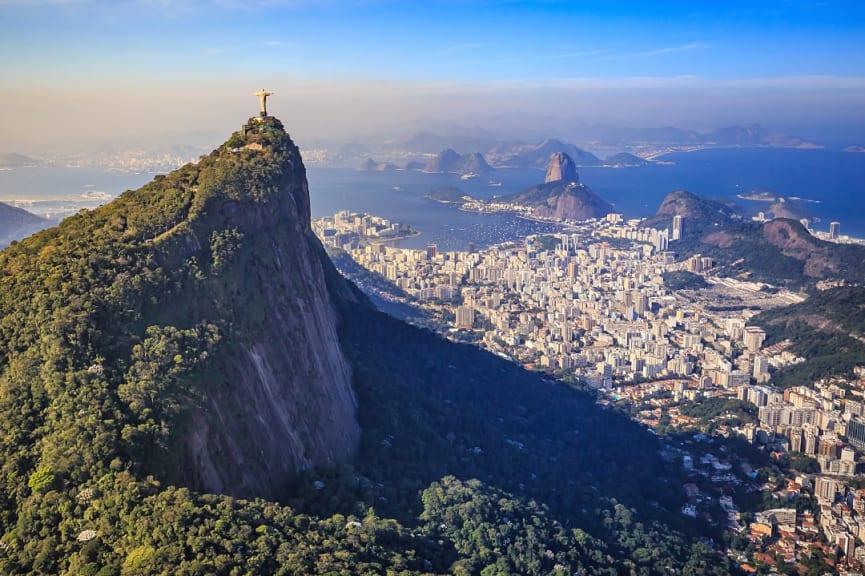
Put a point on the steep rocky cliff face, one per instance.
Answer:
(562, 196)
(561, 168)
(202, 302)
(287, 404)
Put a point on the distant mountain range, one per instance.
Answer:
(14, 160)
(538, 155)
(625, 160)
(17, 223)
(607, 136)
(372, 166)
(500, 152)
(450, 161)
(753, 135)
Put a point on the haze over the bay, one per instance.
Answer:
(86, 73)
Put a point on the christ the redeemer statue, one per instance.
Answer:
(263, 94)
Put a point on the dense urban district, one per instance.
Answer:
(606, 305)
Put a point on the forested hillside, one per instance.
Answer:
(828, 329)
(187, 386)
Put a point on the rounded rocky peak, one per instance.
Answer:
(561, 168)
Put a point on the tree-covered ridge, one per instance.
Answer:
(120, 323)
(102, 346)
(827, 329)
(73, 298)
(700, 214)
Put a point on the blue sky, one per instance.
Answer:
(633, 62)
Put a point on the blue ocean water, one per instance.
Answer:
(56, 191)
(399, 196)
(835, 180)
(830, 182)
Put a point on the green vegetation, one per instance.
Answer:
(684, 280)
(779, 252)
(447, 195)
(520, 436)
(802, 463)
(827, 329)
(715, 411)
(118, 324)
(546, 242)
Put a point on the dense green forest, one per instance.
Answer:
(827, 329)
(113, 329)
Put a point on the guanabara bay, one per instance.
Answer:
(188, 386)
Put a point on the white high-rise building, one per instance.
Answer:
(761, 368)
(678, 227)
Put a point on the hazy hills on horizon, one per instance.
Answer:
(16, 160)
(620, 146)
(532, 155)
(16, 223)
(599, 139)
(595, 137)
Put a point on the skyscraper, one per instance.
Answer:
(678, 227)
(761, 368)
(856, 432)
(834, 229)
(754, 337)
(465, 317)
(662, 240)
